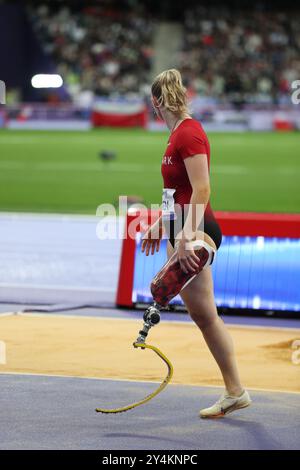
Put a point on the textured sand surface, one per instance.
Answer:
(100, 347)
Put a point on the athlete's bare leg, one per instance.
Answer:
(198, 297)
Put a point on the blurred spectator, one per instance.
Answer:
(241, 56)
(99, 49)
(227, 55)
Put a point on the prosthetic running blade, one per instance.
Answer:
(151, 318)
(151, 395)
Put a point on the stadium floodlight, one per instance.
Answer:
(46, 81)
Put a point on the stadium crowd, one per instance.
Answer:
(98, 49)
(227, 55)
(241, 56)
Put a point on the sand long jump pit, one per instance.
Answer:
(102, 348)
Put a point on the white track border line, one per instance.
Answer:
(57, 287)
(112, 379)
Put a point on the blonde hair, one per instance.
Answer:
(168, 89)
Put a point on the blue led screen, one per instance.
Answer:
(248, 272)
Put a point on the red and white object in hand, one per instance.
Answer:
(171, 279)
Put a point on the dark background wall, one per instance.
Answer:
(20, 53)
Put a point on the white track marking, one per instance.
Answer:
(58, 287)
(143, 381)
(72, 140)
(79, 167)
(61, 216)
(129, 167)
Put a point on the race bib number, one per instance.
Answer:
(168, 204)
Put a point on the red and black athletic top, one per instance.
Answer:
(187, 140)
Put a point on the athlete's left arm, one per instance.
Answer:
(197, 170)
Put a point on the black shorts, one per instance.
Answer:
(211, 228)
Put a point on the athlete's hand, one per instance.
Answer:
(189, 261)
(152, 238)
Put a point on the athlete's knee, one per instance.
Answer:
(203, 320)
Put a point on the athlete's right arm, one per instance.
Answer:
(152, 237)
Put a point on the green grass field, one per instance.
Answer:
(47, 171)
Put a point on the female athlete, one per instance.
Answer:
(185, 171)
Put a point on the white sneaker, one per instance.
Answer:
(226, 404)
